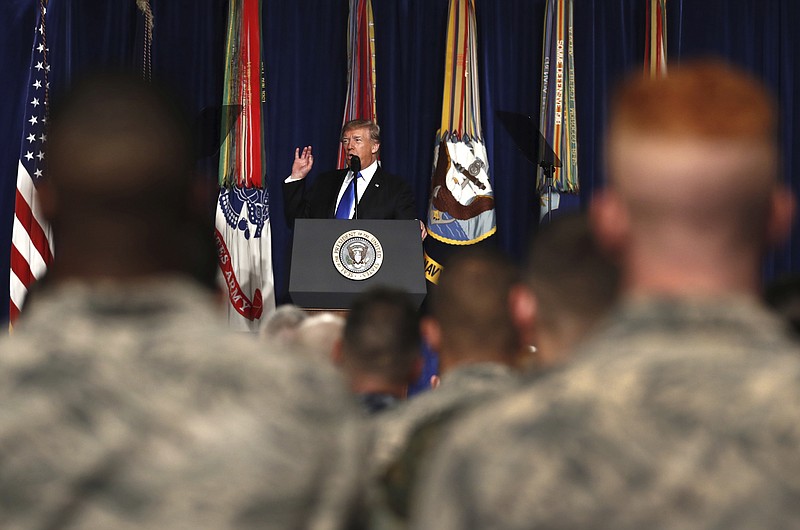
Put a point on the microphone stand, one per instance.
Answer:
(533, 145)
(549, 171)
(355, 167)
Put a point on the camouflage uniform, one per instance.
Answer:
(404, 436)
(676, 415)
(129, 406)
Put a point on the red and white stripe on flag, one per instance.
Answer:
(31, 238)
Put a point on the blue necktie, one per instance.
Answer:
(348, 200)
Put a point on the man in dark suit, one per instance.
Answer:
(381, 195)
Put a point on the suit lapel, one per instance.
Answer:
(373, 190)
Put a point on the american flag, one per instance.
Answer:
(31, 241)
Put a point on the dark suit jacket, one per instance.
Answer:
(387, 197)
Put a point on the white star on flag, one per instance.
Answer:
(31, 246)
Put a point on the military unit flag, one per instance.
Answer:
(243, 236)
(655, 44)
(31, 239)
(557, 117)
(461, 209)
(360, 102)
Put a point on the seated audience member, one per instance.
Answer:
(320, 335)
(574, 286)
(282, 325)
(126, 403)
(380, 350)
(480, 349)
(682, 410)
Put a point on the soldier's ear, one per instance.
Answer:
(610, 222)
(431, 332)
(781, 215)
(523, 308)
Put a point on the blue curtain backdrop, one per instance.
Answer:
(305, 55)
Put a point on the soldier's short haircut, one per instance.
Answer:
(381, 335)
(702, 99)
(471, 301)
(569, 273)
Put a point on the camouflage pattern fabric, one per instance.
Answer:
(676, 415)
(130, 406)
(404, 437)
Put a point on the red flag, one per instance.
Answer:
(655, 44)
(360, 103)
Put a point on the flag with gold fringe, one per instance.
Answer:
(243, 236)
(557, 112)
(360, 102)
(655, 44)
(461, 208)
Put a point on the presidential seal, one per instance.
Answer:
(357, 255)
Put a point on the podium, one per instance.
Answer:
(333, 260)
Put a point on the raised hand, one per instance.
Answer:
(303, 162)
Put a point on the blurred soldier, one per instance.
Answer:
(320, 335)
(480, 349)
(682, 411)
(379, 354)
(126, 404)
(574, 285)
(282, 325)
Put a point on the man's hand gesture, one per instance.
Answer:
(303, 162)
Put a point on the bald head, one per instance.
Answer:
(119, 178)
(693, 164)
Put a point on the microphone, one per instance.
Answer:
(355, 167)
(355, 164)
